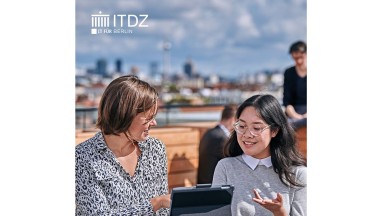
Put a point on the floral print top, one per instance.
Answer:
(103, 187)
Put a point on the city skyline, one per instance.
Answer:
(218, 36)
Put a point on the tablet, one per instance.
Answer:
(202, 200)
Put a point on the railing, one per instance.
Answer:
(83, 115)
(167, 114)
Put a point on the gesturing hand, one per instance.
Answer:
(274, 205)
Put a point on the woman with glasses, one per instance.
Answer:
(262, 162)
(121, 170)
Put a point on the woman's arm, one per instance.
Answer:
(290, 111)
(162, 202)
(299, 202)
(219, 176)
(288, 84)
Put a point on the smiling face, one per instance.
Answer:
(141, 124)
(255, 146)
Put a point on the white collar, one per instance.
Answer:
(225, 130)
(254, 162)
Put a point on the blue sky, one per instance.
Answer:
(225, 37)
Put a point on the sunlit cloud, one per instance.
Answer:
(219, 35)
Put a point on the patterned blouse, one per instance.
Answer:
(103, 187)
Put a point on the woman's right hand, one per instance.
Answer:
(274, 205)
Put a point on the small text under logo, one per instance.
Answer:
(117, 23)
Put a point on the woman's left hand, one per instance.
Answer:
(274, 205)
(159, 202)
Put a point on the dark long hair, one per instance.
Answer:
(283, 150)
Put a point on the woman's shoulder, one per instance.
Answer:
(90, 144)
(291, 73)
(152, 143)
(300, 172)
(299, 169)
(154, 140)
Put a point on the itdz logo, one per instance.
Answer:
(117, 23)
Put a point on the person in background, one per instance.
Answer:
(211, 145)
(295, 86)
(263, 163)
(121, 170)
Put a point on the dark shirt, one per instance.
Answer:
(294, 88)
(210, 152)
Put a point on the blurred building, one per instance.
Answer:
(189, 69)
(118, 66)
(153, 68)
(101, 66)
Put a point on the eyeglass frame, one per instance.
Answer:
(150, 120)
(236, 130)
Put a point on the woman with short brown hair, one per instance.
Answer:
(122, 170)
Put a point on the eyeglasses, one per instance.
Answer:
(149, 120)
(255, 131)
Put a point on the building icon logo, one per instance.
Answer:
(117, 23)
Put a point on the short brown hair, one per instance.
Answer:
(123, 99)
(228, 111)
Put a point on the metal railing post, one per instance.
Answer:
(83, 120)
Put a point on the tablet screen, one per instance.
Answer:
(202, 200)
